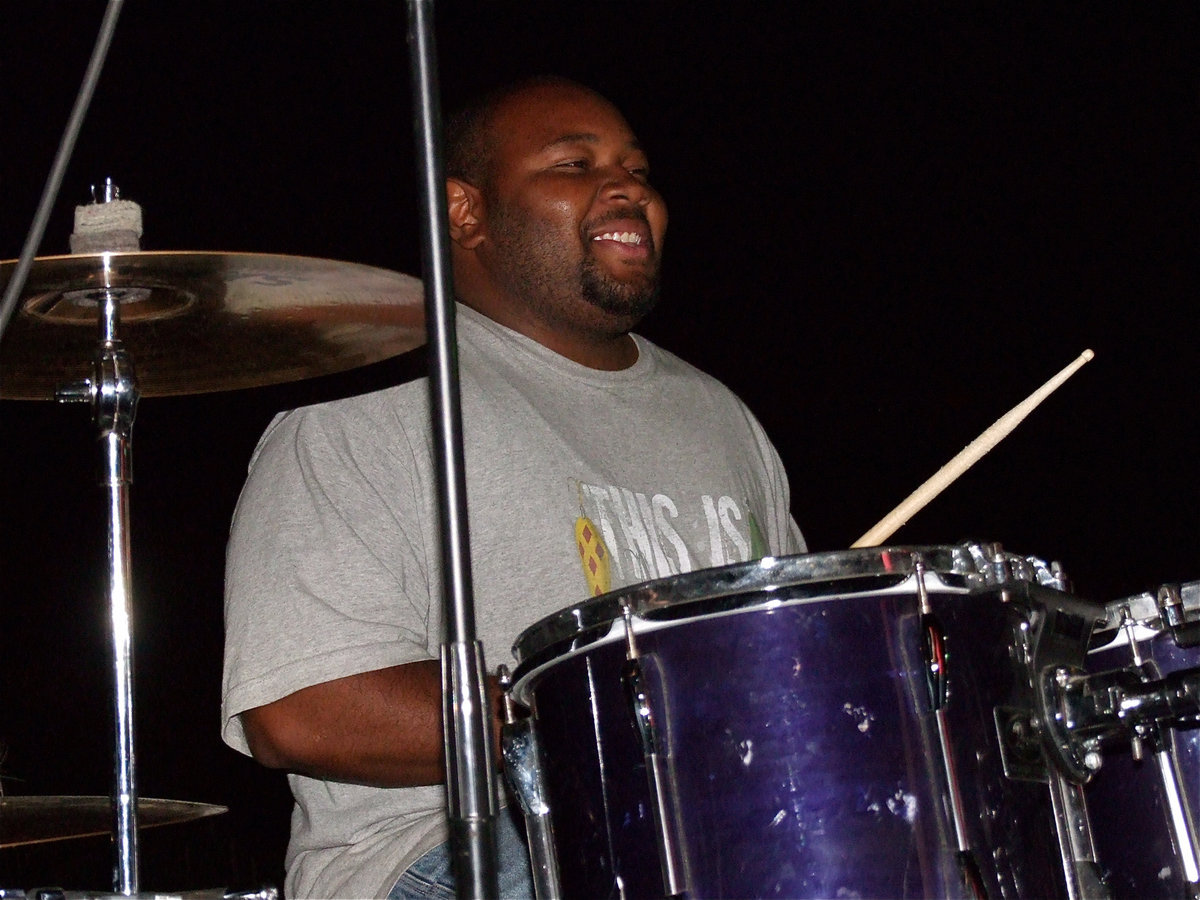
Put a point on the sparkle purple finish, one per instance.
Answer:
(802, 756)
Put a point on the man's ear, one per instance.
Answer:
(464, 204)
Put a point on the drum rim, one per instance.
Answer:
(1142, 609)
(970, 565)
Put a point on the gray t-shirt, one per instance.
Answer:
(578, 481)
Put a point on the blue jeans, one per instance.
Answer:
(432, 877)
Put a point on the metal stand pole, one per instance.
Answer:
(113, 392)
(470, 768)
(114, 395)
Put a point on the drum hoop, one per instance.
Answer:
(864, 570)
(1144, 613)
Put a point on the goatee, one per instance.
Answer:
(632, 300)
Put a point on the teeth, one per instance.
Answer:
(625, 237)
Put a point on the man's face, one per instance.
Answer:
(574, 229)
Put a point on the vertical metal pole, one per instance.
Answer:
(470, 768)
(113, 392)
(115, 397)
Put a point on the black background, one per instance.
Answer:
(890, 223)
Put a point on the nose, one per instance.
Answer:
(621, 184)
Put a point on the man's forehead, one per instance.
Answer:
(548, 116)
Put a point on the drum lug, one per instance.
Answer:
(635, 674)
(933, 643)
(999, 567)
(937, 682)
(934, 650)
(523, 770)
(1181, 617)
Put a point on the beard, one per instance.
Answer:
(540, 265)
(627, 299)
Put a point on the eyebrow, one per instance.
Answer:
(582, 137)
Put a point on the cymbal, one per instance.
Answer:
(195, 322)
(37, 820)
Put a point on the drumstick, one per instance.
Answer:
(969, 455)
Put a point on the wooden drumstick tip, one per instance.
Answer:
(967, 457)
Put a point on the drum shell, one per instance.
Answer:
(802, 754)
(1126, 799)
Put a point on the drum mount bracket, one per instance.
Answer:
(1086, 713)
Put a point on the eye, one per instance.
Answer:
(571, 164)
(638, 166)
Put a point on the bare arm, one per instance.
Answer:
(382, 728)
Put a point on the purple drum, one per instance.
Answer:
(852, 724)
(1144, 810)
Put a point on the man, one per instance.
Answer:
(333, 602)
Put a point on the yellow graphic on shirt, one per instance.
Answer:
(626, 536)
(593, 555)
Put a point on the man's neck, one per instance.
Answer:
(593, 348)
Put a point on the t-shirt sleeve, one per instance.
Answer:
(784, 537)
(326, 569)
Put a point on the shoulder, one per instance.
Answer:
(350, 424)
(672, 368)
(704, 396)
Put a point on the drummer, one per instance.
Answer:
(594, 460)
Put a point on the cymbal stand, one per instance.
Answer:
(113, 392)
(470, 767)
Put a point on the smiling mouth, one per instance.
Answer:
(621, 237)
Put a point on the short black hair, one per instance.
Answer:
(469, 141)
